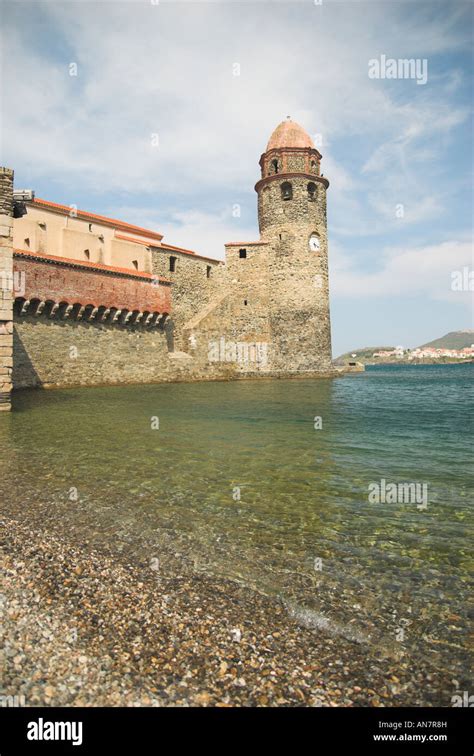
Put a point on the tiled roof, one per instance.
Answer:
(119, 226)
(85, 215)
(40, 256)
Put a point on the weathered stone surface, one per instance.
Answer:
(195, 283)
(53, 353)
(6, 194)
(6, 300)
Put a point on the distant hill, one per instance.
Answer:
(453, 340)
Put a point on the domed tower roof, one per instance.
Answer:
(289, 134)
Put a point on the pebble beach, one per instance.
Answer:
(83, 628)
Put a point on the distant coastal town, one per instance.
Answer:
(456, 346)
(430, 353)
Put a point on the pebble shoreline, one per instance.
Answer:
(83, 629)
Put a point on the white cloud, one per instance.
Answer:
(420, 271)
(204, 233)
(167, 69)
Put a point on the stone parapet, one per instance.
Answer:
(72, 289)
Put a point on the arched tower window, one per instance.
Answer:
(311, 190)
(286, 191)
(274, 166)
(314, 166)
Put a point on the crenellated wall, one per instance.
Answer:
(84, 287)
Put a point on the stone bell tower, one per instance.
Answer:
(292, 221)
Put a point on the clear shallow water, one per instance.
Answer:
(170, 493)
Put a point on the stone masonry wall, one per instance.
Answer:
(224, 336)
(192, 288)
(6, 286)
(51, 353)
(60, 354)
(230, 344)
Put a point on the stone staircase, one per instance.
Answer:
(195, 321)
(185, 363)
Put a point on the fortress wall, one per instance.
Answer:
(226, 332)
(50, 280)
(69, 353)
(192, 290)
(230, 342)
(52, 353)
(248, 278)
(6, 286)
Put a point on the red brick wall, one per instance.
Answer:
(60, 283)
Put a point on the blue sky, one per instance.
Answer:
(167, 69)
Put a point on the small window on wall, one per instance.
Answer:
(242, 254)
(286, 191)
(135, 264)
(274, 165)
(246, 301)
(87, 254)
(26, 243)
(208, 271)
(311, 190)
(90, 226)
(172, 264)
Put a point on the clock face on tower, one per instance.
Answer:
(314, 243)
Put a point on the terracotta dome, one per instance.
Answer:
(289, 134)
